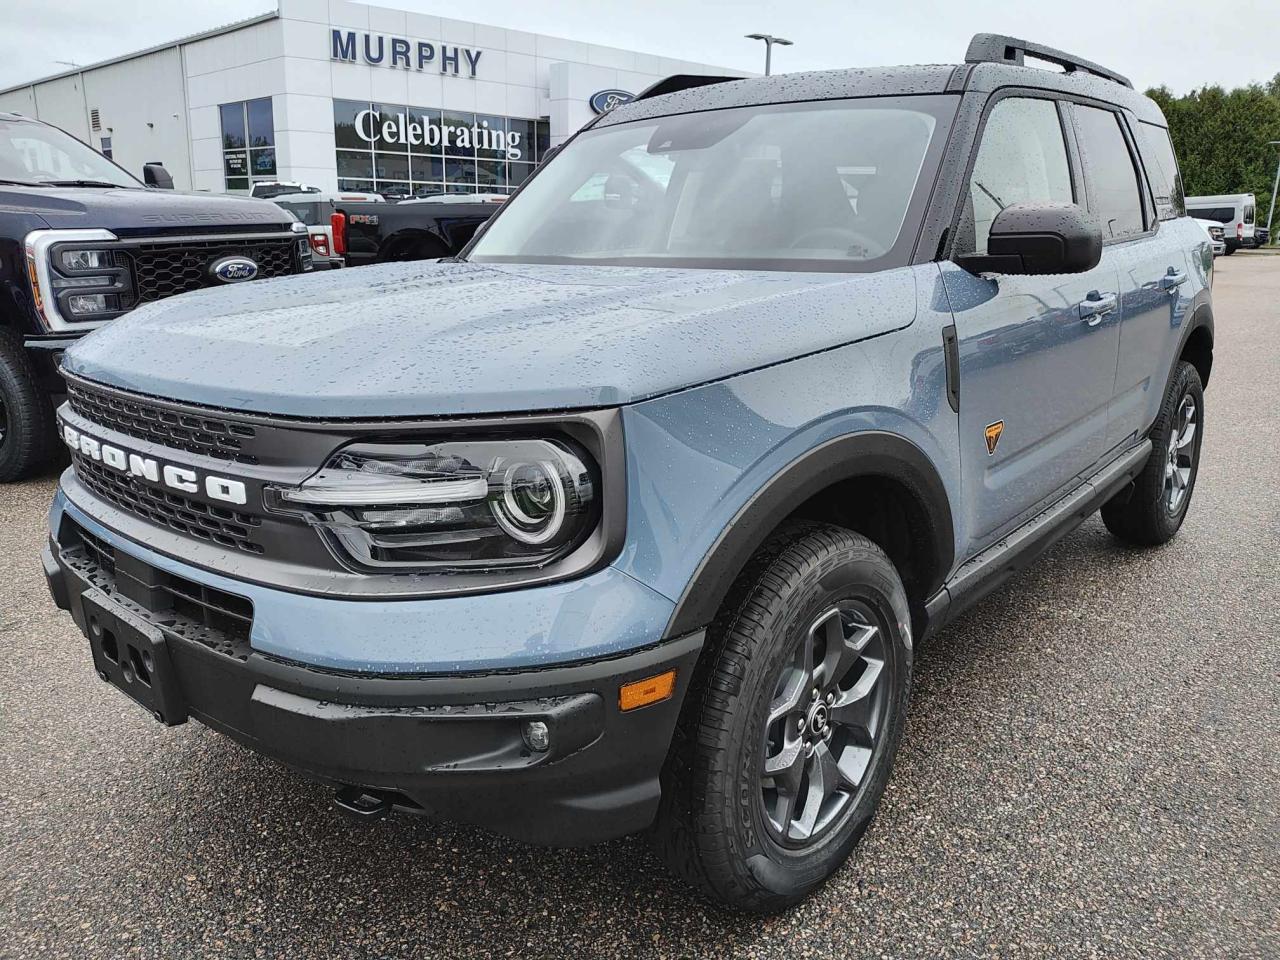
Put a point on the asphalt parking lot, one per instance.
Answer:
(1091, 768)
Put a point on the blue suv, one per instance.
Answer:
(633, 515)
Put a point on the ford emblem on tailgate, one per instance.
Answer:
(234, 269)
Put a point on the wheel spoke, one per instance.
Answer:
(786, 768)
(1184, 477)
(855, 708)
(854, 760)
(844, 643)
(1187, 434)
(792, 698)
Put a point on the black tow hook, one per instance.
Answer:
(362, 804)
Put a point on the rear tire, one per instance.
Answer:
(26, 415)
(757, 841)
(1152, 511)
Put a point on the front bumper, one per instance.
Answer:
(451, 746)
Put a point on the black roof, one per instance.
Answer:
(1000, 66)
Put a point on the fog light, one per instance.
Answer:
(537, 737)
(85, 304)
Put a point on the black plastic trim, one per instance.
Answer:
(446, 745)
(951, 352)
(1013, 553)
(874, 453)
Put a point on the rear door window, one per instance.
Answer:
(1112, 178)
(1022, 158)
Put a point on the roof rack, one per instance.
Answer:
(994, 48)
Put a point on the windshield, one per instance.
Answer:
(823, 185)
(36, 153)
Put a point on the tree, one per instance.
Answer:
(1221, 138)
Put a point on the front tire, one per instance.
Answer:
(26, 416)
(1151, 513)
(791, 723)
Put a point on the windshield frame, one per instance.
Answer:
(133, 184)
(943, 107)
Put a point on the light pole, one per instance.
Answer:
(1271, 213)
(769, 41)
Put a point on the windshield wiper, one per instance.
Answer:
(21, 183)
(84, 183)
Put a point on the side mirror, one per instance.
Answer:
(155, 175)
(1040, 238)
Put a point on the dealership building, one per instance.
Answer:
(344, 96)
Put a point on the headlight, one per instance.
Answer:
(80, 260)
(462, 504)
(77, 276)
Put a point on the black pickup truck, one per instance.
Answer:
(416, 229)
(82, 242)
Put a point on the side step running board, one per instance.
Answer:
(981, 574)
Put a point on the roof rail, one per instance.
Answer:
(681, 81)
(994, 48)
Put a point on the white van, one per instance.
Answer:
(1235, 211)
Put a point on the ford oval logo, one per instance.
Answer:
(606, 100)
(234, 269)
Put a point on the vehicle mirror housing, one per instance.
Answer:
(155, 175)
(1040, 238)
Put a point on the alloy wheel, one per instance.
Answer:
(1180, 458)
(824, 722)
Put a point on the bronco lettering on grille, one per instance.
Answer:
(183, 479)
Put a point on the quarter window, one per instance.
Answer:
(1113, 181)
(1022, 158)
(1162, 170)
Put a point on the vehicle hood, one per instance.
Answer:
(140, 212)
(425, 339)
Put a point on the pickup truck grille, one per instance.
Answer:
(230, 528)
(163, 269)
(204, 434)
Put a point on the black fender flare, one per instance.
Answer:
(869, 454)
(1201, 313)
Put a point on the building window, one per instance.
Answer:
(106, 147)
(400, 150)
(248, 143)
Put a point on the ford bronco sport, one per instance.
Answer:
(634, 515)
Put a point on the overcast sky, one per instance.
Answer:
(1181, 43)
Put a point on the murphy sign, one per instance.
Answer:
(377, 49)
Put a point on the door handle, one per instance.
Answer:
(1096, 306)
(1172, 280)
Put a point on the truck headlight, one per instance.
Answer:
(81, 260)
(77, 276)
(462, 504)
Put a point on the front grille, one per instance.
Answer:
(207, 615)
(164, 269)
(202, 434)
(230, 528)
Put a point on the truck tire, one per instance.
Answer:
(26, 416)
(791, 723)
(1152, 510)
